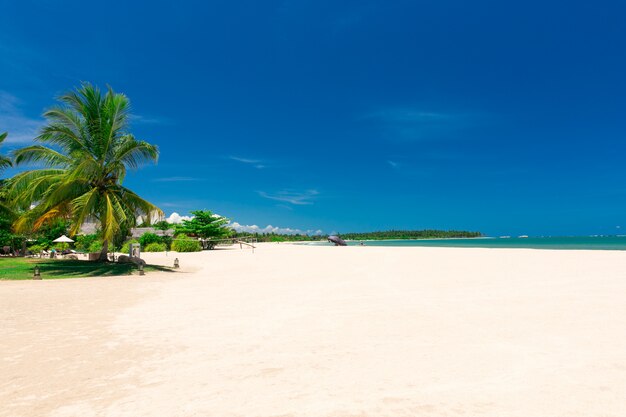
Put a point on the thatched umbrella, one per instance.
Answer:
(337, 241)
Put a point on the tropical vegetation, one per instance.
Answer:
(411, 234)
(85, 151)
(205, 225)
(184, 243)
(155, 247)
(5, 162)
(383, 235)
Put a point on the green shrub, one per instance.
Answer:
(126, 246)
(148, 238)
(37, 248)
(167, 240)
(96, 246)
(154, 247)
(183, 243)
(84, 242)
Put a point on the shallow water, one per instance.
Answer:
(576, 242)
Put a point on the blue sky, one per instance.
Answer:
(503, 117)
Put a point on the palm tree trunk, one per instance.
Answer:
(104, 255)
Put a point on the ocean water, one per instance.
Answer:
(578, 242)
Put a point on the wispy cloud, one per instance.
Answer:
(410, 115)
(21, 128)
(273, 229)
(257, 163)
(177, 179)
(149, 120)
(407, 124)
(393, 164)
(292, 197)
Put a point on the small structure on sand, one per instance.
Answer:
(337, 241)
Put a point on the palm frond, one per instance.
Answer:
(138, 206)
(84, 208)
(133, 153)
(38, 153)
(4, 161)
(30, 187)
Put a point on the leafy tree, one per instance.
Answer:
(6, 236)
(162, 225)
(148, 238)
(91, 150)
(84, 242)
(206, 225)
(50, 231)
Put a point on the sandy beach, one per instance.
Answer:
(323, 331)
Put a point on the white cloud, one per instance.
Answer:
(292, 197)
(176, 179)
(257, 163)
(176, 218)
(393, 164)
(22, 129)
(272, 229)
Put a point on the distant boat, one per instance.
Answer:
(505, 237)
(523, 236)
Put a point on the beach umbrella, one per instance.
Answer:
(63, 239)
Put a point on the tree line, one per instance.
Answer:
(411, 234)
(381, 235)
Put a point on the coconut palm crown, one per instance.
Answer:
(83, 167)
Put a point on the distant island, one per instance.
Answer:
(383, 235)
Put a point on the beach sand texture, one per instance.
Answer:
(323, 331)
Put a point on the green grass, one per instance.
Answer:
(22, 268)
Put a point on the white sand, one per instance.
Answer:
(324, 331)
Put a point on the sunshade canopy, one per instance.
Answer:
(63, 239)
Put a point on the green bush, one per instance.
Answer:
(183, 243)
(167, 240)
(148, 238)
(126, 246)
(96, 246)
(37, 248)
(154, 247)
(84, 242)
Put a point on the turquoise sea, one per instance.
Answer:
(579, 242)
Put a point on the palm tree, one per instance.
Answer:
(82, 174)
(5, 162)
